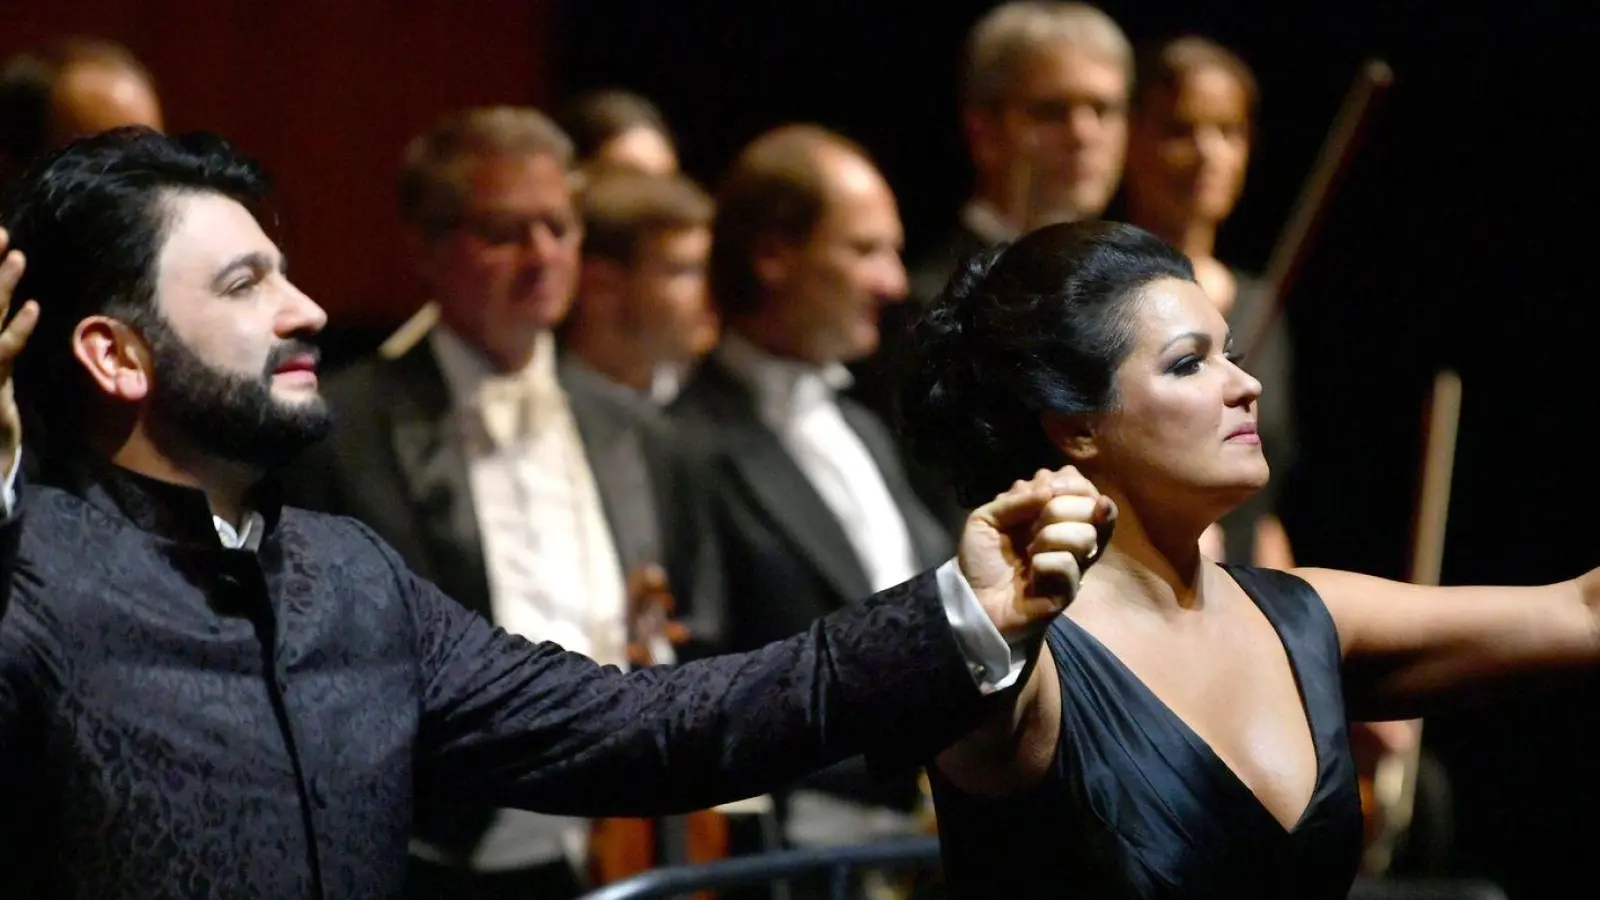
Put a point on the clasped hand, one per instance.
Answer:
(1024, 553)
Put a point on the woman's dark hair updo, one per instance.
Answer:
(1036, 326)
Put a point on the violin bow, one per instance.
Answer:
(1338, 150)
(1394, 779)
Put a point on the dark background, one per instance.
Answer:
(1461, 238)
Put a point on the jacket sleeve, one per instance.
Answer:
(528, 725)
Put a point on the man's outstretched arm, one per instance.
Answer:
(512, 723)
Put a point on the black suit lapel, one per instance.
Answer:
(616, 455)
(432, 461)
(930, 541)
(770, 474)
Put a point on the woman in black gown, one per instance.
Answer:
(1183, 731)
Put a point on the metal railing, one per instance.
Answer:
(1426, 889)
(767, 868)
(773, 868)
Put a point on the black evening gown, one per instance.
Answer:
(1137, 807)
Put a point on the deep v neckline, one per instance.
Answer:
(1295, 667)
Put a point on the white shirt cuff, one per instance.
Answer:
(995, 663)
(8, 490)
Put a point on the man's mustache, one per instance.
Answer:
(289, 349)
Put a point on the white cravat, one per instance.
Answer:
(553, 570)
(665, 383)
(799, 402)
(515, 409)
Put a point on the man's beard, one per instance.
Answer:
(227, 415)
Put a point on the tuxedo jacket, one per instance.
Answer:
(786, 558)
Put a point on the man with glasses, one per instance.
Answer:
(1044, 109)
(516, 481)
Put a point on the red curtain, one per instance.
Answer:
(325, 94)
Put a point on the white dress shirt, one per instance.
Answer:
(554, 573)
(553, 570)
(665, 383)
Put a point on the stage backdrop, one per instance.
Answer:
(326, 95)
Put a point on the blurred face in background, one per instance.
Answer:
(507, 269)
(658, 299)
(826, 293)
(667, 289)
(1189, 149)
(1056, 143)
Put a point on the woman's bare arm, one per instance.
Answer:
(1410, 649)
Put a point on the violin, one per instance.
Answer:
(622, 848)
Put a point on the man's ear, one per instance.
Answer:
(772, 259)
(1073, 435)
(117, 359)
